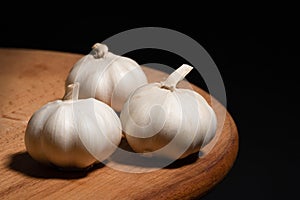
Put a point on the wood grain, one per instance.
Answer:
(30, 79)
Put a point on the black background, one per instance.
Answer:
(256, 56)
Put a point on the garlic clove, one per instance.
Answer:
(168, 121)
(107, 139)
(32, 134)
(107, 77)
(73, 132)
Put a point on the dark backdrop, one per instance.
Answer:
(256, 58)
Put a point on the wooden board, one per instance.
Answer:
(30, 79)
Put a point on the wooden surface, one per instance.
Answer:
(30, 79)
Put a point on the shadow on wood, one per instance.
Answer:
(126, 156)
(23, 163)
(184, 161)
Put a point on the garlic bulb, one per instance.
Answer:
(107, 77)
(168, 121)
(73, 133)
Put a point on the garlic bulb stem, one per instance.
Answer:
(177, 76)
(100, 50)
(72, 92)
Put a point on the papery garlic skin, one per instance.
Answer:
(168, 121)
(65, 133)
(107, 77)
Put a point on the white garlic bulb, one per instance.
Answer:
(73, 133)
(107, 77)
(168, 121)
